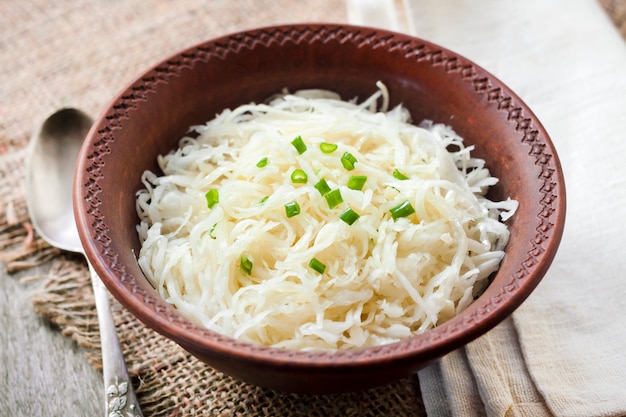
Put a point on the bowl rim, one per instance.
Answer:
(427, 346)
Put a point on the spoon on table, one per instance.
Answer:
(53, 152)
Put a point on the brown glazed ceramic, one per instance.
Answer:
(150, 116)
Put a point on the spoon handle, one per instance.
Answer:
(121, 400)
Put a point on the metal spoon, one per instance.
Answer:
(53, 152)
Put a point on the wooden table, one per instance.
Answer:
(43, 373)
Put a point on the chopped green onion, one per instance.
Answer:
(212, 197)
(348, 160)
(212, 230)
(298, 176)
(322, 186)
(292, 209)
(317, 266)
(262, 162)
(264, 199)
(328, 147)
(356, 182)
(398, 175)
(333, 198)
(245, 263)
(349, 216)
(298, 143)
(403, 209)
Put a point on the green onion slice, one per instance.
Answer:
(349, 216)
(212, 197)
(298, 143)
(262, 162)
(333, 198)
(322, 186)
(328, 147)
(356, 182)
(398, 175)
(317, 266)
(298, 176)
(292, 209)
(245, 263)
(264, 199)
(348, 160)
(403, 209)
(212, 230)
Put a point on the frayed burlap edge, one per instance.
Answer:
(168, 380)
(20, 248)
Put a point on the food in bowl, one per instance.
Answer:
(313, 223)
(148, 117)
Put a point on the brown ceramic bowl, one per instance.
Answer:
(149, 117)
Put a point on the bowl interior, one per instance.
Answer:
(156, 110)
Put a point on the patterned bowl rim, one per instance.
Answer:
(481, 316)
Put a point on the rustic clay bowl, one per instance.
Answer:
(149, 116)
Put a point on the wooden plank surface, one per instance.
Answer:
(43, 372)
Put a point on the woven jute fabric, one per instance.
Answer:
(80, 53)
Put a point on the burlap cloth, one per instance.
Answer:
(80, 53)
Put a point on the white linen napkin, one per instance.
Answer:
(562, 352)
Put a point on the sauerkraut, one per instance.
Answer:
(309, 222)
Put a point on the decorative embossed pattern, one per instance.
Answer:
(407, 62)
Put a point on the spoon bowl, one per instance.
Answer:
(53, 152)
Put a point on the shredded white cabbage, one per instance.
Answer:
(384, 280)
